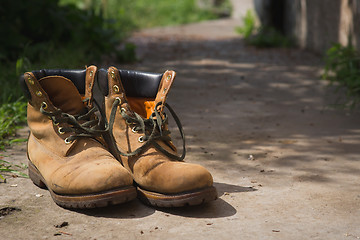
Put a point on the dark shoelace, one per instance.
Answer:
(81, 125)
(152, 128)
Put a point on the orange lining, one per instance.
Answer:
(143, 106)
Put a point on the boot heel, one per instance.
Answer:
(35, 176)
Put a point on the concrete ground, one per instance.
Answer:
(286, 166)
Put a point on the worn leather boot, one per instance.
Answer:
(66, 152)
(134, 106)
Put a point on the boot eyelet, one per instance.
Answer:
(44, 105)
(68, 141)
(119, 99)
(141, 139)
(133, 130)
(38, 93)
(55, 122)
(116, 89)
(91, 73)
(61, 130)
(31, 81)
(122, 110)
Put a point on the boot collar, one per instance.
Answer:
(164, 88)
(38, 97)
(125, 83)
(91, 72)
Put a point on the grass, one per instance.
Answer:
(12, 117)
(11, 169)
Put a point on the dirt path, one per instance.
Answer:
(285, 166)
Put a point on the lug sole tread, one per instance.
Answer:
(196, 197)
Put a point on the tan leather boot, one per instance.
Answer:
(65, 151)
(134, 105)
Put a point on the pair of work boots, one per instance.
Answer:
(100, 137)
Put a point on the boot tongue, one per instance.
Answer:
(63, 94)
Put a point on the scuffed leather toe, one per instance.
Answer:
(175, 177)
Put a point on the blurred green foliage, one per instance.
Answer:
(144, 14)
(263, 36)
(161, 12)
(38, 34)
(44, 34)
(37, 28)
(249, 25)
(342, 68)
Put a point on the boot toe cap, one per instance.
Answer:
(177, 177)
(91, 177)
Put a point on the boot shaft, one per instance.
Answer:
(57, 109)
(135, 95)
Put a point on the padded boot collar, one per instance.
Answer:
(134, 83)
(76, 76)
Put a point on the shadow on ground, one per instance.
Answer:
(135, 209)
(130, 210)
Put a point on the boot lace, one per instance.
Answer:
(81, 125)
(152, 128)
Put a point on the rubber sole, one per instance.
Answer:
(94, 200)
(197, 197)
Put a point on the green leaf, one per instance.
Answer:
(18, 140)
